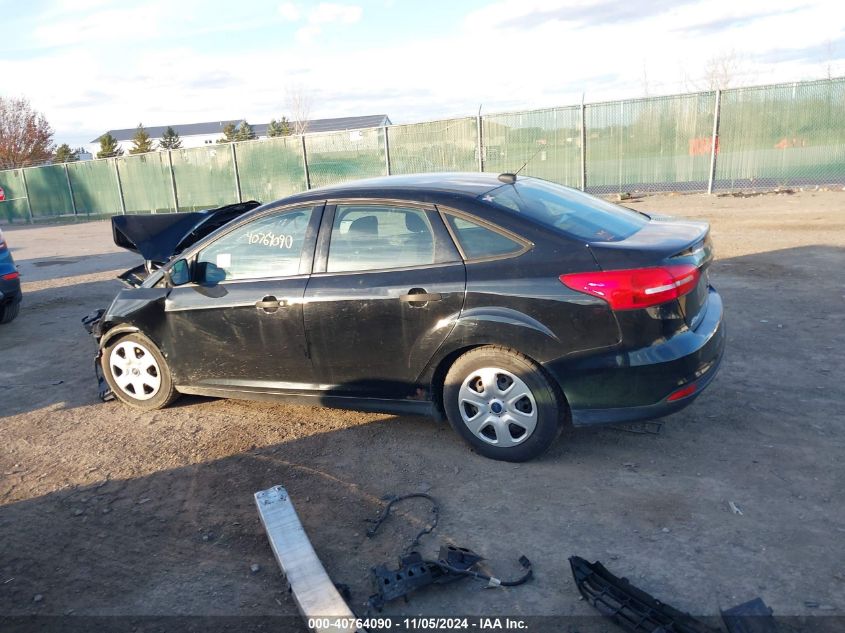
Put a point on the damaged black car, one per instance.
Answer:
(508, 304)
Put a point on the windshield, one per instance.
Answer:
(573, 212)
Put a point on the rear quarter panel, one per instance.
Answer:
(519, 302)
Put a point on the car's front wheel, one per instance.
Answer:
(137, 372)
(503, 404)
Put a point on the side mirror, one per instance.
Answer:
(178, 274)
(210, 274)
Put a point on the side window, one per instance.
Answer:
(267, 247)
(478, 241)
(368, 237)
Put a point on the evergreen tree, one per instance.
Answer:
(245, 132)
(141, 142)
(274, 129)
(279, 128)
(287, 130)
(170, 139)
(230, 133)
(109, 147)
(64, 154)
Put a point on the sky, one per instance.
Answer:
(95, 65)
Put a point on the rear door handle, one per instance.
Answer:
(418, 295)
(270, 304)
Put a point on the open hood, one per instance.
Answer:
(158, 237)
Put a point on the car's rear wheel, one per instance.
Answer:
(9, 312)
(137, 372)
(503, 404)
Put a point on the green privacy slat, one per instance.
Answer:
(13, 208)
(658, 144)
(145, 179)
(779, 135)
(94, 187)
(449, 145)
(270, 169)
(340, 156)
(205, 177)
(550, 140)
(783, 135)
(48, 191)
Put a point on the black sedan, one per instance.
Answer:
(509, 304)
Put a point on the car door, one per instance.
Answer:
(238, 325)
(387, 286)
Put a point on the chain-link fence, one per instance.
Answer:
(785, 135)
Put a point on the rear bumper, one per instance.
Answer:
(636, 385)
(10, 291)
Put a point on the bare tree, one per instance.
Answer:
(724, 71)
(299, 105)
(25, 136)
(644, 80)
(829, 56)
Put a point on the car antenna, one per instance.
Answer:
(509, 178)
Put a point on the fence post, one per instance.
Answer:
(305, 163)
(480, 141)
(70, 190)
(386, 153)
(583, 144)
(172, 181)
(119, 187)
(26, 193)
(714, 141)
(237, 175)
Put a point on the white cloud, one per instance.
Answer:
(99, 25)
(289, 11)
(307, 34)
(488, 58)
(328, 12)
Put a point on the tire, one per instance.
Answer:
(137, 373)
(9, 311)
(480, 398)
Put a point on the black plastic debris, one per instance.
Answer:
(629, 607)
(636, 611)
(754, 616)
(414, 572)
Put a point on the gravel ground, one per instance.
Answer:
(109, 511)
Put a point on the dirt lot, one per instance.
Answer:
(108, 511)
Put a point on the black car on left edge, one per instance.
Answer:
(509, 304)
(10, 284)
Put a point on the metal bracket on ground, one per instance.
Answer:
(315, 594)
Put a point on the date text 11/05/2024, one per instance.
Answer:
(419, 623)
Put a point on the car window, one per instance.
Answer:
(268, 247)
(478, 241)
(371, 237)
(567, 210)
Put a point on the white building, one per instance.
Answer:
(200, 134)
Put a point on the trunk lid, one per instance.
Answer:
(665, 241)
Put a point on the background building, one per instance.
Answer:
(199, 134)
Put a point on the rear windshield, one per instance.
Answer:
(573, 212)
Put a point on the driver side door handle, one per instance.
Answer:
(418, 297)
(270, 304)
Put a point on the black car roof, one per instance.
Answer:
(470, 184)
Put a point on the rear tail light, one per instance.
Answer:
(638, 287)
(10, 276)
(683, 392)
